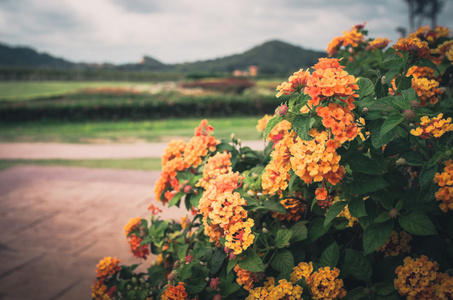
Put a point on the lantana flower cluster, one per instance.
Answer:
(295, 208)
(323, 283)
(351, 38)
(177, 292)
(105, 269)
(413, 45)
(430, 35)
(283, 290)
(433, 128)
(224, 215)
(180, 156)
(419, 279)
(332, 93)
(135, 240)
(398, 244)
(445, 182)
(444, 51)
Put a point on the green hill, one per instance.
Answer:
(271, 58)
(29, 58)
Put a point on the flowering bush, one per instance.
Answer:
(351, 198)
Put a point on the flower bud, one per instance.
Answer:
(214, 283)
(282, 110)
(393, 213)
(187, 189)
(189, 259)
(217, 297)
(415, 104)
(265, 230)
(232, 256)
(383, 80)
(171, 276)
(232, 136)
(401, 161)
(409, 114)
(364, 111)
(134, 279)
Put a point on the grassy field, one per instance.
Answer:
(146, 164)
(124, 131)
(104, 131)
(27, 90)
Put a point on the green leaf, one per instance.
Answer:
(382, 217)
(391, 122)
(376, 139)
(252, 262)
(366, 87)
(282, 238)
(283, 260)
(397, 146)
(302, 124)
(274, 205)
(417, 223)
(357, 265)
(270, 125)
(300, 231)
(409, 95)
(176, 199)
(195, 285)
(385, 288)
(334, 211)
(355, 294)
(292, 177)
(366, 185)
(330, 256)
(231, 288)
(376, 235)
(428, 172)
(363, 164)
(182, 252)
(316, 229)
(216, 261)
(393, 61)
(231, 264)
(357, 207)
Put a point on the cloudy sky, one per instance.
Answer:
(176, 31)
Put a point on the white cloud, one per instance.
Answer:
(121, 31)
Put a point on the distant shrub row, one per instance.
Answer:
(82, 107)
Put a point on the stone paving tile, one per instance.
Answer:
(56, 223)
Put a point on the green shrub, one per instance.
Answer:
(352, 198)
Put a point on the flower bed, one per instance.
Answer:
(351, 198)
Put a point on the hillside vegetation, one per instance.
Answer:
(273, 58)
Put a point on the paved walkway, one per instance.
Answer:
(90, 151)
(56, 223)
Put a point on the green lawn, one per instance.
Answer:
(147, 164)
(125, 131)
(27, 90)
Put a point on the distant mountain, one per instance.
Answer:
(273, 57)
(29, 58)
